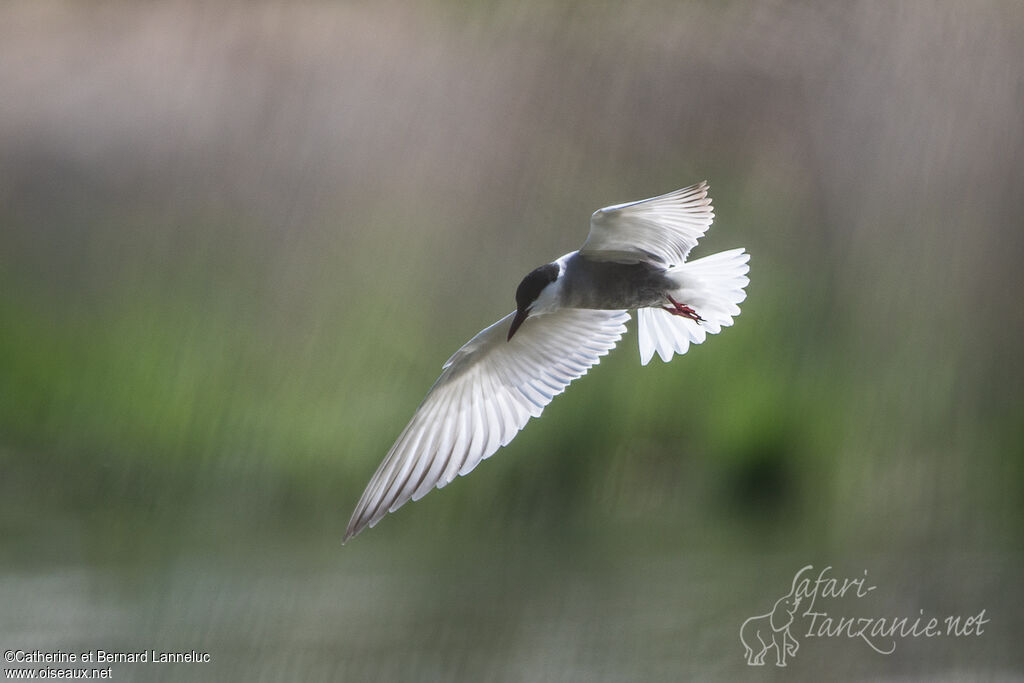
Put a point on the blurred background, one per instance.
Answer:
(238, 240)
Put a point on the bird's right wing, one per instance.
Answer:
(487, 392)
(661, 230)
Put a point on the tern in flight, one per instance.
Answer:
(569, 313)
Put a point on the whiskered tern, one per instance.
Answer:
(569, 313)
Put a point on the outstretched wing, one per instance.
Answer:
(486, 393)
(660, 230)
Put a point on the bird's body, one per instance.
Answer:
(569, 313)
(607, 285)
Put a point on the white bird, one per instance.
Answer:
(569, 313)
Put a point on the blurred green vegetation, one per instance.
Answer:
(214, 363)
(230, 282)
(238, 240)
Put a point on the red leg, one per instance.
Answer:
(682, 310)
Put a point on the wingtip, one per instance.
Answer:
(355, 525)
(350, 533)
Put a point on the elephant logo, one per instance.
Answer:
(766, 631)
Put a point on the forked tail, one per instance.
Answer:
(712, 287)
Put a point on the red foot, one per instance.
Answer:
(682, 310)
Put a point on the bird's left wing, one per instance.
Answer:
(661, 230)
(487, 392)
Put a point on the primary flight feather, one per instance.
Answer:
(569, 313)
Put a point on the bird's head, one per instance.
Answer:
(529, 290)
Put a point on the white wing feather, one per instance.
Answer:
(487, 392)
(660, 230)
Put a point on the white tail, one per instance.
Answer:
(712, 286)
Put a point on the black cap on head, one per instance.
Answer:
(528, 291)
(534, 283)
